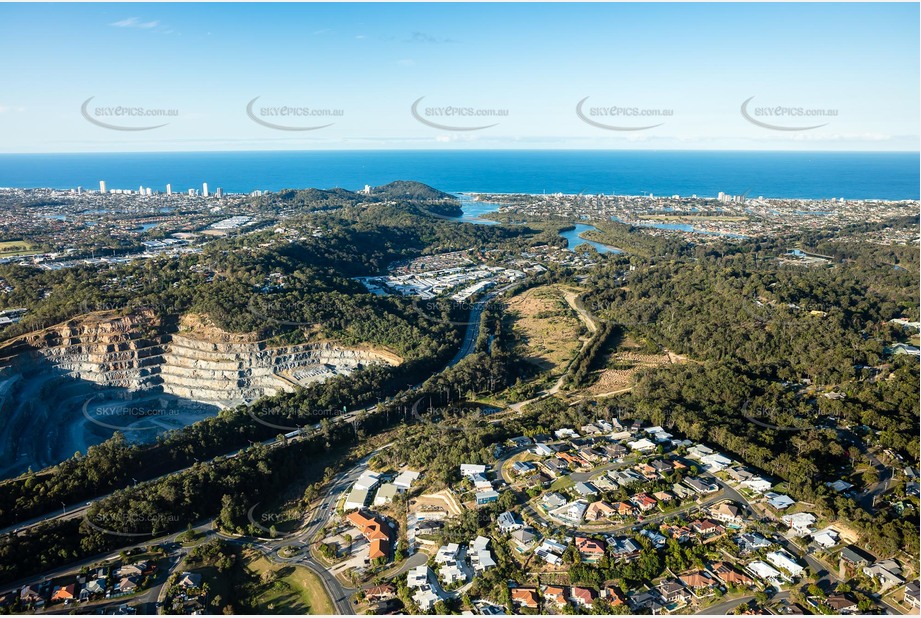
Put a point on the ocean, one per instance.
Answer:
(814, 175)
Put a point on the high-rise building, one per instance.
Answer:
(191, 192)
(169, 189)
(204, 189)
(148, 191)
(102, 186)
(219, 192)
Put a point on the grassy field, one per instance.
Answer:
(15, 248)
(295, 591)
(546, 328)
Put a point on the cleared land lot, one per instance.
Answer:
(546, 328)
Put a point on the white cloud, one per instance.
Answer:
(134, 22)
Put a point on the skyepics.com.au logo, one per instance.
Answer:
(622, 117)
(277, 419)
(785, 117)
(268, 524)
(137, 411)
(456, 117)
(125, 117)
(130, 524)
(292, 117)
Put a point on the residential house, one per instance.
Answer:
(30, 597)
(486, 497)
(509, 522)
(826, 538)
(856, 557)
(543, 450)
(700, 486)
(758, 484)
(368, 480)
(555, 595)
(624, 509)
(888, 572)
(572, 512)
(912, 595)
(644, 502)
(707, 527)
(586, 490)
(405, 479)
(552, 501)
(522, 468)
(727, 512)
(751, 541)
(779, 501)
(672, 591)
(625, 549)
(613, 595)
(525, 597)
(642, 445)
(126, 585)
(524, 539)
(648, 599)
(783, 560)
(765, 572)
(697, 580)
(582, 597)
(590, 550)
(189, 580)
(729, 575)
(555, 468)
(599, 510)
(663, 496)
(471, 469)
(841, 603)
(616, 452)
(385, 494)
(801, 523)
(356, 499)
(64, 593)
(381, 593)
(657, 539)
(551, 551)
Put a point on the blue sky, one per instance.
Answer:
(689, 65)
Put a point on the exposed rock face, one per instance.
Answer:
(198, 362)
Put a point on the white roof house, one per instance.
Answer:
(715, 462)
(508, 522)
(782, 560)
(758, 484)
(418, 576)
(406, 479)
(641, 445)
(572, 512)
(827, 538)
(764, 571)
(471, 469)
(447, 553)
(799, 521)
(367, 481)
